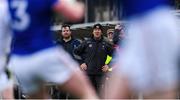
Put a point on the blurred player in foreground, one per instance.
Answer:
(35, 60)
(6, 90)
(148, 62)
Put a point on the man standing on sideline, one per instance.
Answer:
(69, 44)
(110, 35)
(93, 52)
(119, 34)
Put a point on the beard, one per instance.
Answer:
(66, 36)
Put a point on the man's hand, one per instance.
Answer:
(83, 66)
(105, 68)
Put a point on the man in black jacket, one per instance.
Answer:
(93, 52)
(68, 42)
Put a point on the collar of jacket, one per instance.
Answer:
(92, 37)
(62, 41)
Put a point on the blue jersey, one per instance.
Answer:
(136, 7)
(31, 25)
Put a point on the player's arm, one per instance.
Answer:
(71, 9)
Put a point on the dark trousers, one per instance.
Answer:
(61, 94)
(97, 82)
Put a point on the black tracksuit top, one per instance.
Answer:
(94, 54)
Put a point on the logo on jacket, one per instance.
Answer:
(103, 46)
(90, 45)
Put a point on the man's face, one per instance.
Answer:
(97, 32)
(110, 35)
(66, 32)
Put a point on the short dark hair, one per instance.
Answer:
(66, 25)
